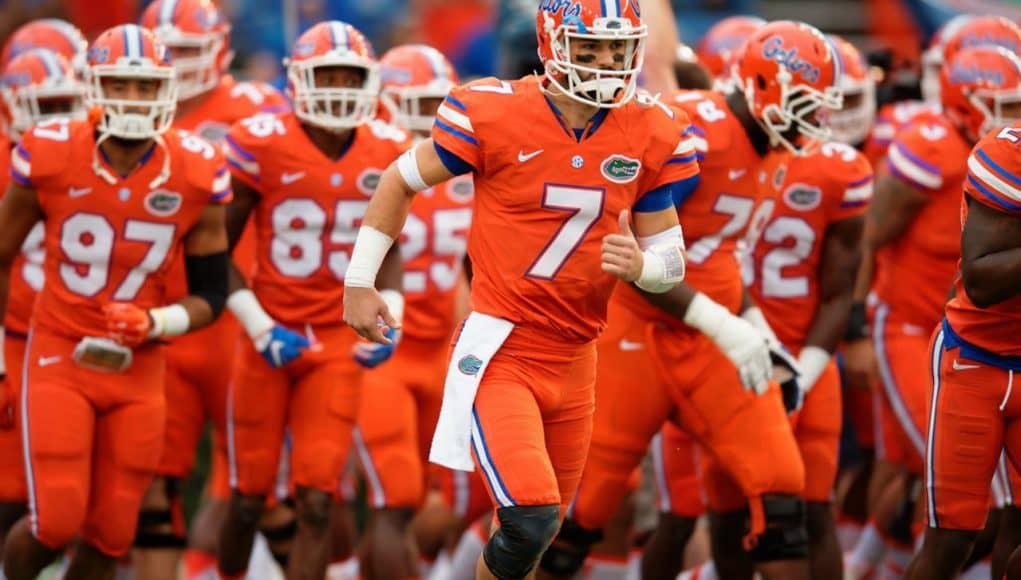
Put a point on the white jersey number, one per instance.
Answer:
(298, 247)
(584, 206)
(794, 239)
(449, 240)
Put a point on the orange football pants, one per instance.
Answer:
(12, 459)
(533, 419)
(400, 406)
(648, 375)
(93, 442)
(902, 353)
(974, 419)
(315, 397)
(817, 431)
(675, 459)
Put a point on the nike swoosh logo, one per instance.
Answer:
(45, 361)
(522, 157)
(79, 191)
(627, 345)
(289, 178)
(736, 173)
(960, 367)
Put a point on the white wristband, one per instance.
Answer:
(757, 319)
(249, 312)
(370, 248)
(813, 360)
(407, 166)
(170, 320)
(705, 315)
(394, 303)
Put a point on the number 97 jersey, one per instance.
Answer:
(832, 183)
(111, 243)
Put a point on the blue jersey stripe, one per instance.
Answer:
(455, 132)
(1001, 171)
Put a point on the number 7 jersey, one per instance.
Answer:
(107, 243)
(544, 199)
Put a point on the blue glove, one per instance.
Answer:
(372, 354)
(280, 346)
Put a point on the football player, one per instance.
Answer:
(401, 400)
(974, 411)
(699, 355)
(566, 166)
(35, 86)
(307, 177)
(209, 101)
(120, 195)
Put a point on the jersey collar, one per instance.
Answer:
(578, 134)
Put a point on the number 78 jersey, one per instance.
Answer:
(104, 242)
(544, 199)
(832, 183)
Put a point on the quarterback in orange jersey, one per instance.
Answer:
(974, 410)
(565, 164)
(308, 176)
(401, 400)
(701, 364)
(35, 86)
(120, 195)
(209, 101)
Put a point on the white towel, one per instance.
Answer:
(481, 336)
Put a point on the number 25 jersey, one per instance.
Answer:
(111, 243)
(544, 199)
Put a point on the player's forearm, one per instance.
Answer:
(391, 273)
(863, 279)
(830, 322)
(235, 281)
(662, 47)
(675, 302)
(388, 209)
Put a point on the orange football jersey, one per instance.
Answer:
(309, 211)
(892, 119)
(27, 271)
(107, 243)
(916, 270)
(734, 197)
(229, 102)
(545, 198)
(830, 184)
(994, 180)
(433, 244)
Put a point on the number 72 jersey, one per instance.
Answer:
(107, 243)
(544, 199)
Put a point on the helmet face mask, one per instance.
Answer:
(195, 59)
(999, 108)
(852, 122)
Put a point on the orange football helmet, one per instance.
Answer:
(57, 35)
(723, 40)
(131, 52)
(788, 73)
(38, 85)
(410, 74)
(333, 44)
(980, 89)
(558, 23)
(198, 38)
(853, 122)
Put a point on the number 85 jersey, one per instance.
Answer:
(309, 211)
(830, 184)
(111, 242)
(545, 198)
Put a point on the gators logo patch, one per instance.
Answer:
(802, 197)
(620, 169)
(368, 180)
(162, 203)
(469, 365)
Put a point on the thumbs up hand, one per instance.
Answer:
(621, 255)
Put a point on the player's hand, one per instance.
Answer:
(279, 345)
(860, 367)
(363, 311)
(789, 378)
(621, 255)
(7, 404)
(372, 354)
(748, 349)
(127, 324)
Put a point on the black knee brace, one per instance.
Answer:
(163, 528)
(567, 554)
(524, 534)
(785, 537)
(281, 534)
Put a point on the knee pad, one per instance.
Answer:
(525, 532)
(785, 536)
(567, 555)
(163, 528)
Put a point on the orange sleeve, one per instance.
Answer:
(453, 129)
(852, 188)
(240, 151)
(672, 153)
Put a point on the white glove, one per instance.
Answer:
(813, 360)
(777, 351)
(743, 344)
